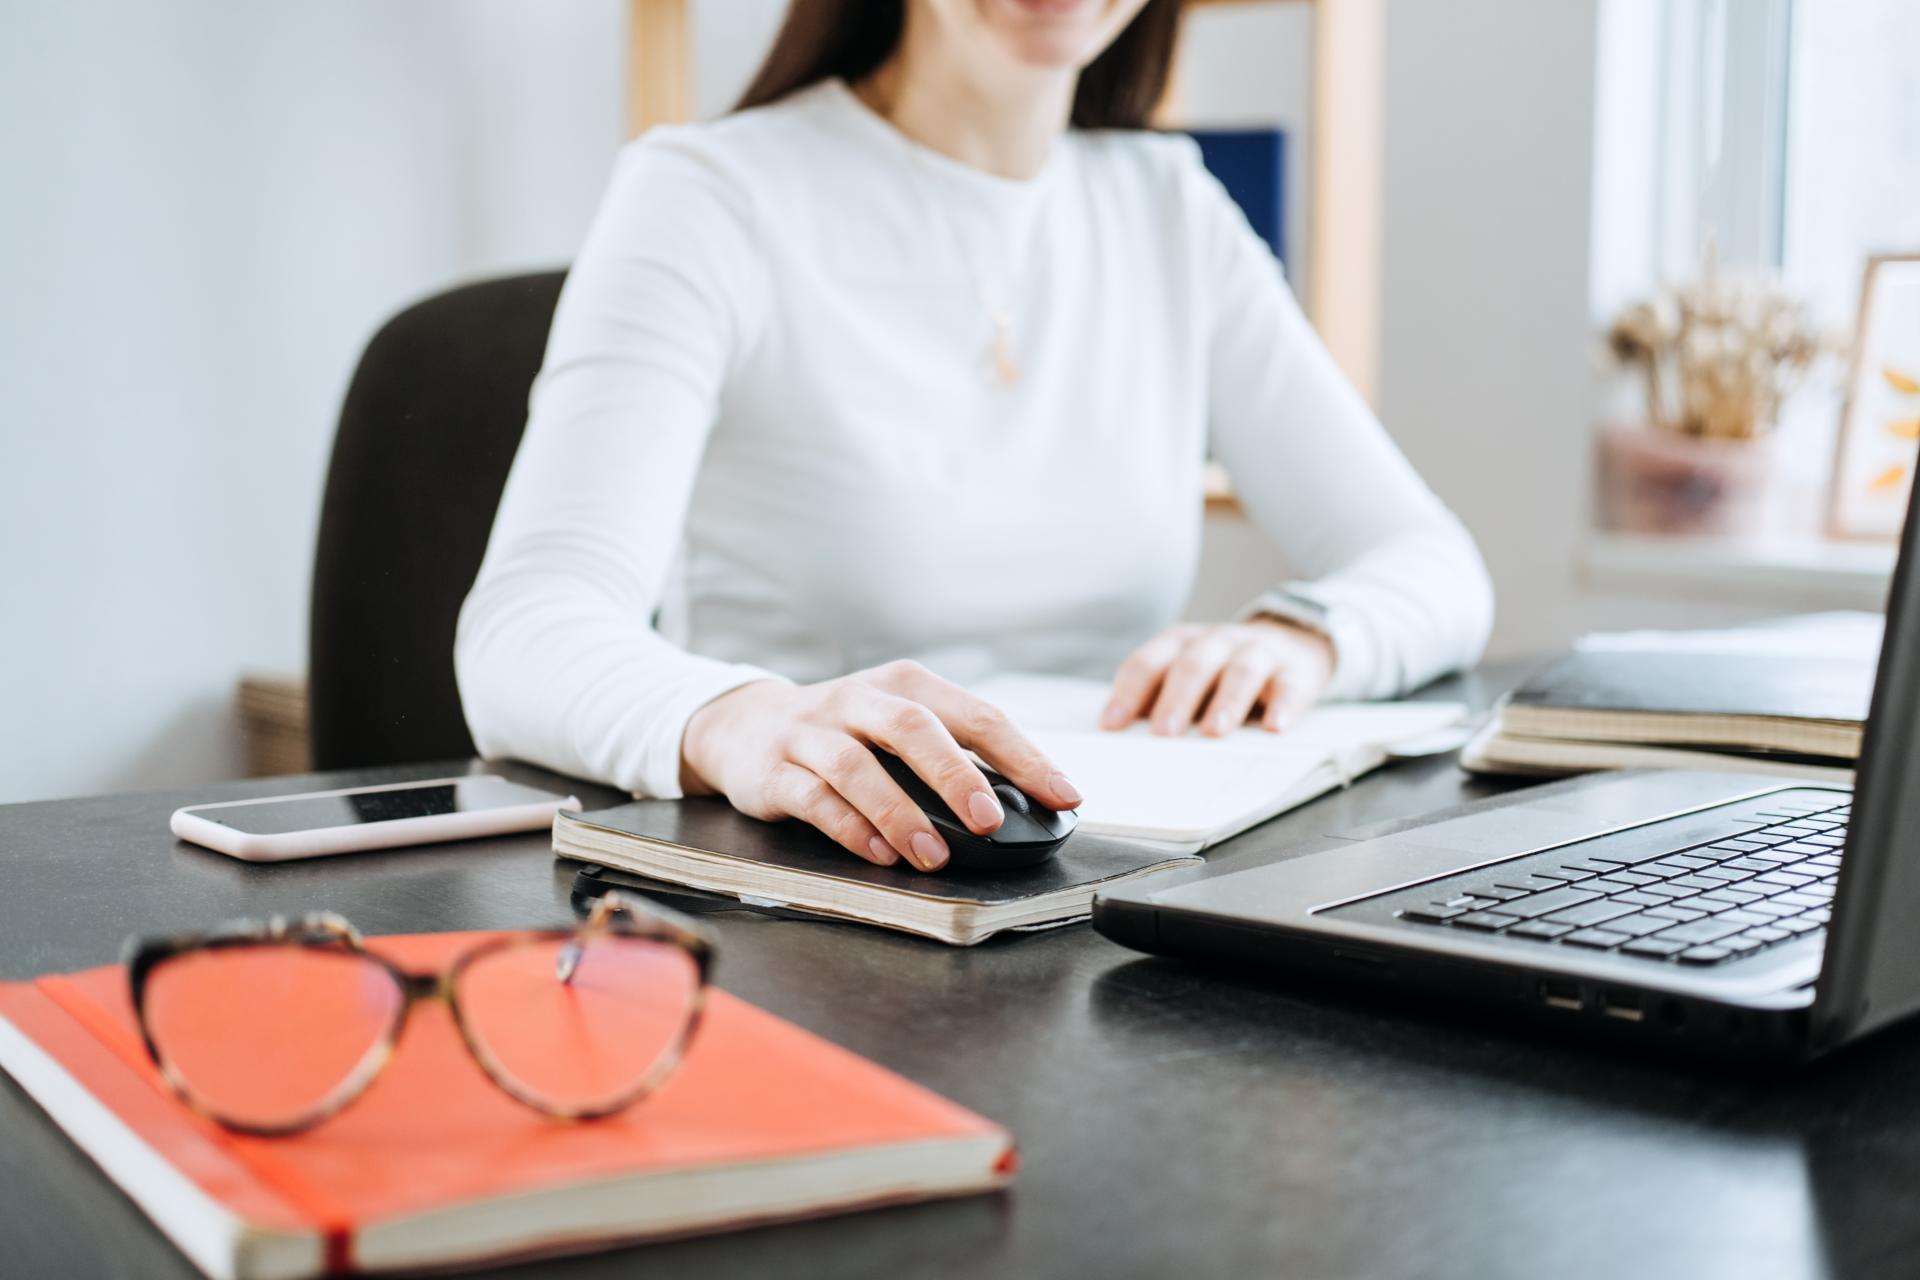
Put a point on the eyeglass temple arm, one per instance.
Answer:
(600, 920)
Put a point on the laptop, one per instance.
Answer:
(1722, 914)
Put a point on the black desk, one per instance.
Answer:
(1173, 1121)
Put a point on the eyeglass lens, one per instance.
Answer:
(579, 1025)
(264, 1035)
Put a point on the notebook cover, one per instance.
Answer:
(711, 825)
(1703, 684)
(1506, 754)
(1252, 165)
(433, 1133)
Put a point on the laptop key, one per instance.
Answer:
(1495, 891)
(1607, 884)
(1708, 930)
(1433, 913)
(1773, 907)
(1740, 944)
(1665, 892)
(1593, 866)
(1694, 881)
(1799, 925)
(1767, 933)
(1592, 913)
(1485, 921)
(1704, 955)
(1677, 914)
(1639, 898)
(1657, 948)
(1525, 883)
(1639, 925)
(1598, 939)
(1723, 873)
(1540, 904)
(1635, 878)
(1743, 917)
(1541, 929)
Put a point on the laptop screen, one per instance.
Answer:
(1871, 972)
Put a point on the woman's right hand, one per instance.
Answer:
(805, 751)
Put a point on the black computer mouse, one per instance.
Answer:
(1028, 837)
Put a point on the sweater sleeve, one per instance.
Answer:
(556, 653)
(1406, 592)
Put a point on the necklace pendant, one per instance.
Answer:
(1002, 369)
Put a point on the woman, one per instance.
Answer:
(903, 374)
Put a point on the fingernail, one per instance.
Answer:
(883, 853)
(1058, 784)
(1113, 717)
(984, 809)
(927, 852)
(1220, 724)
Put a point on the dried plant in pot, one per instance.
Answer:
(1715, 359)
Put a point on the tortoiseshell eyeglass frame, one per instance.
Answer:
(613, 914)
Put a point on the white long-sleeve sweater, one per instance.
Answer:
(764, 440)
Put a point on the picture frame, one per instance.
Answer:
(1878, 444)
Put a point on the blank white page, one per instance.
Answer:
(1195, 789)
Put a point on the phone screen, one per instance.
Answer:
(358, 808)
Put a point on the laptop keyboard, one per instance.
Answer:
(1703, 904)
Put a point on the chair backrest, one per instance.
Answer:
(428, 430)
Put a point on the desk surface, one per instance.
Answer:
(1173, 1119)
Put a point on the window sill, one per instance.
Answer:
(1800, 573)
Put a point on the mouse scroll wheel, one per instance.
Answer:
(1012, 797)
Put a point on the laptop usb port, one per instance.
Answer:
(1562, 995)
(1618, 1004)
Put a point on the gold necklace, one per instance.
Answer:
(999, 365)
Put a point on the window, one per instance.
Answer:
(1786, 133)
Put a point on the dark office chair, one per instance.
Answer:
(427, 433)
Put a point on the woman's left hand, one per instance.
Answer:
(1216, 674)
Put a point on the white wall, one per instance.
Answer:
(208, 208)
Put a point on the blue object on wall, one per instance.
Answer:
(1252, 165)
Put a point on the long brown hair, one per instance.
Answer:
(820, 39)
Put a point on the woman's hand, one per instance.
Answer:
(802, 751)
(1215, 675)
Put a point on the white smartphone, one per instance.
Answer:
(355, 819)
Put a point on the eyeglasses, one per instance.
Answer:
(270, 1028)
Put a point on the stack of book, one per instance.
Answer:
(273, 716)
(1788, 698)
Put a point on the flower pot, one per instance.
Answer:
(1656, 482)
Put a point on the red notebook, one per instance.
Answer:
(435, 1167)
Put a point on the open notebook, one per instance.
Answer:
(434, 1167)
(1151, 803)
(1183, 794)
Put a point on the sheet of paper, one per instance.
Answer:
(1193, 787)
(1840, 634)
